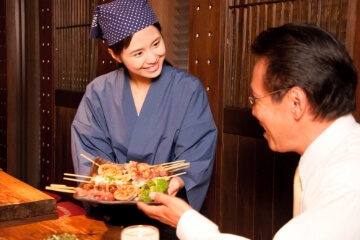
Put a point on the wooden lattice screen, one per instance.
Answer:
(248, 18)
(74, 52)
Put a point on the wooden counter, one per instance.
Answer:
(82, 227)
(20, 203)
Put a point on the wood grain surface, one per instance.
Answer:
(20, 203)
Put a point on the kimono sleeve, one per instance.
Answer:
(89, 134)
(196, 144)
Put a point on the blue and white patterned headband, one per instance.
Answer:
(119, 19)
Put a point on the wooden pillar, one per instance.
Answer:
(47, 167)
(3, 88)
(15, 95)
(206, 46)
(356, 58)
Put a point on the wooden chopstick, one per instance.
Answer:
(87, 158)
(76, 175)
(76, 180)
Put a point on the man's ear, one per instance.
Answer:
(114, 56)
(299, 102)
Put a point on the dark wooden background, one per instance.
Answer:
(251, 189)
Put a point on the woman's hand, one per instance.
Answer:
(175, 185)
(169, 212)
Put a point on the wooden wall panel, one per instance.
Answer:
(284, 169)
(105, 63)
(229, 195)
(64, 117)
(264, 168)
(256, 193)
(245, 150)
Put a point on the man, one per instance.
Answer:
(304, 86)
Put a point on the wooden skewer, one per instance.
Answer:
(171, 163)
(76, 180)
(87, 158)
(177, 167)
(175, 175)
(60, 189)
(168, 163)
(178, 164)
(61, 186)
(175, 163)
(76, 175)
(180, 168)
(58, 185)
(170, 176)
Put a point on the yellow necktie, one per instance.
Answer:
(297, 193)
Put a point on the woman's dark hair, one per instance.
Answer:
(117, 48)
(311, 58)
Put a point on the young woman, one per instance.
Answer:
(147, 110)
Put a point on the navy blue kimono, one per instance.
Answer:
(175, 123)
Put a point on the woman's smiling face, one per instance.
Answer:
(145, 55)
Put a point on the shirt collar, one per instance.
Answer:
(317, 153)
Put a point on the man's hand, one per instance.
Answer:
(170, 210)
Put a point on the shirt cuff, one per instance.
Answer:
(194, 226)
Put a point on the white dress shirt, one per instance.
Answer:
(194, 226)
(330, 177)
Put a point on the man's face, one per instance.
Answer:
(275, 118)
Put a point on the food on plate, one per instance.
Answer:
(126, 192)
(124, 182)
(132, 170)
(115, 170)
(130, 181)
(143, 171)
(156, 185)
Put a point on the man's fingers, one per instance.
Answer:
(149, 210)
(159, 197)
